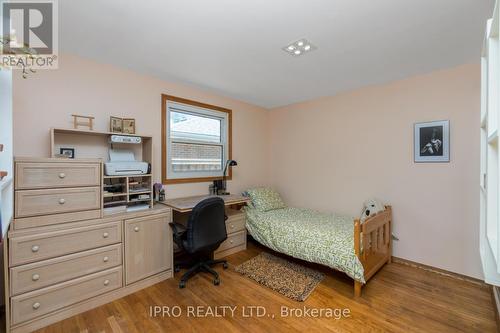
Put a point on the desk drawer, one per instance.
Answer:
(51, 175)
(55, 201)
(26, 249)
(37, 303)
(52, 271)
(236, 239)
(235, 225)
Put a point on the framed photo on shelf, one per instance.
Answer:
(116, 125)
(129, 125)
(432, 141)
(67, 152)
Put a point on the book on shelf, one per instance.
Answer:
(144, 189)
(114, 203)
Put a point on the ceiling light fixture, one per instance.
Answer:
(299, 47)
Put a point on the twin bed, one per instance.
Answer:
(337, 241)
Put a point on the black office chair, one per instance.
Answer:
(205, 231)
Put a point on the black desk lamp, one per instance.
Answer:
(221, 185)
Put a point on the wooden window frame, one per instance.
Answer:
(164, 135)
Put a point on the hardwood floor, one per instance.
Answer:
(398, 299)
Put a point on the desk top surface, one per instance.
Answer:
(186, 204)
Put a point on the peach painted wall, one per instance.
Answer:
(335, 152)
(48, 98)
(329, 154)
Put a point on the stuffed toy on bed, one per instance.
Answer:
(370, 208)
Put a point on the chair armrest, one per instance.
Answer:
(178, 228)
(178, 231)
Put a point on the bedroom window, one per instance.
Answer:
(196, 140)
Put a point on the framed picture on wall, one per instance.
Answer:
(116, 124)
(67, 152)
(432, 141)
(129, 126)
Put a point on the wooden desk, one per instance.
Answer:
(235, 224)
(184, 205)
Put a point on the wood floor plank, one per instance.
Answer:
(400, 298)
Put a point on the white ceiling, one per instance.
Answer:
(234, 47)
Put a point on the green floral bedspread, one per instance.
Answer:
(326, 239)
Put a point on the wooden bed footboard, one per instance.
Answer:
(373, 244)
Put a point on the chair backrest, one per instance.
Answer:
(206, 226)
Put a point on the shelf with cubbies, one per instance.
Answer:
(122, 193)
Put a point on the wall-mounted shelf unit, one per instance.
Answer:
(95, 144)
(92, 132)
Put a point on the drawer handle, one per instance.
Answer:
(105, 235)
(36, 305)
(35, 277)
(35, 248)
(62, 175)
(232, 226)
(231, 241)
(105, 259)
(136, 229)
(106, 282)
(62, 201)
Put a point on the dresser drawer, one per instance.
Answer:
(235, 225)
(55, 201)
(236, 239)
(52, 271)
(40, 221)
(51, 175)
(26, 249)
(37, 303)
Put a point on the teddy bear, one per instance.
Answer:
(370, 208)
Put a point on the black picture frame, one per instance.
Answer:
(70, 152)
(432, 142)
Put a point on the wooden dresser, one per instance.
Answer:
(64, 256)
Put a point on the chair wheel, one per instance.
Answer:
(182, 284)
(216, 282)
(177, 269)
(225, 265)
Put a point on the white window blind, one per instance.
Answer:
(197, 141)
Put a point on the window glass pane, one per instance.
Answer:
(188, 157)
(194, 127)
